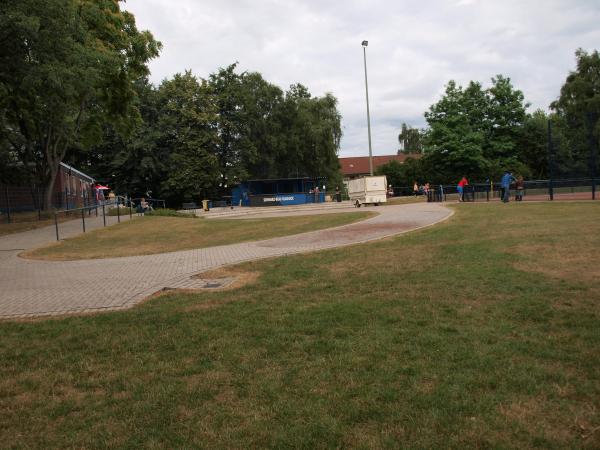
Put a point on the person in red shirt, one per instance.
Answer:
(461, 188)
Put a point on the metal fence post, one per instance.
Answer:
(592, 119)
(550, 161)
(118, 212)
(83, 218)
(103, 214)
(7, 204)
(39, 206)
(56, 225)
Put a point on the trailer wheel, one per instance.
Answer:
(375, 204)
(357, 204)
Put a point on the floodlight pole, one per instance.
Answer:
(364, 45)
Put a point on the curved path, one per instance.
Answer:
(37, 288)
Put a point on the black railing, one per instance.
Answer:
(563, 189)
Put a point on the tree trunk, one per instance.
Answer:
(54, 154)
(49, 189)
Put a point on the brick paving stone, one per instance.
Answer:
(31, 288)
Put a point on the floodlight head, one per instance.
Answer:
(365, 43)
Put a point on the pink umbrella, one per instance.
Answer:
(102, 188)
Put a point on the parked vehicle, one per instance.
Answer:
(368, 190)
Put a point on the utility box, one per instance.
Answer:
(205, 206)
(368, 191)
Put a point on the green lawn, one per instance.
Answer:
(481, 332)
(155, 234)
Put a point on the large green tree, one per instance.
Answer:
(67, 67)
(475, 131)
(198, 138)
(404, 174)
(189, 135)
(578, 110)
(457, 132)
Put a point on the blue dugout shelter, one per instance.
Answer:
(277, 192)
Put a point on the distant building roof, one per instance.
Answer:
(359, 165)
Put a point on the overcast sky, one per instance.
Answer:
(415, 47)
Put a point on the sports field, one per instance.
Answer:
(482, 331)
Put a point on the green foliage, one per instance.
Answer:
(410, 139)
(67, 68)
(473, 131)
(457, 132)
(198, 137)
(578, 111)
(187, 114)
(480, 133)
(404, 174)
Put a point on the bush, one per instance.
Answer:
(168, 213)
(122, 211)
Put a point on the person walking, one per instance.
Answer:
(460, 188)
(507, 178)
(415, 188)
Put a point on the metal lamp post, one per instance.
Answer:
(364, 45)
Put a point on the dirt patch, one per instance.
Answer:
(241, 276)
(238, 272)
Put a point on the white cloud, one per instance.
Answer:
(414, 49)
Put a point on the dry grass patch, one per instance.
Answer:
(238, 271)
(153, 234)
(571, 263)
(537, 415)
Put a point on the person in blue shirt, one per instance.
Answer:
(507, 178)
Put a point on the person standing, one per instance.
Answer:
(415, 188)
(461, 188)
(507, 178)
(520, 187)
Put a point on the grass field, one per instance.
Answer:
(481, 332)
(154, 234)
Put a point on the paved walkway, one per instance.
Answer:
(38, 288)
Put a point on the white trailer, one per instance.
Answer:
(368, 190)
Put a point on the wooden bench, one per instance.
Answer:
(190, 205)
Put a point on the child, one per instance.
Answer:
(520, 185)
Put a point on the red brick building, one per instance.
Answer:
(72, 189)
(358, 166)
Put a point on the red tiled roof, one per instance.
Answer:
(359, 165)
